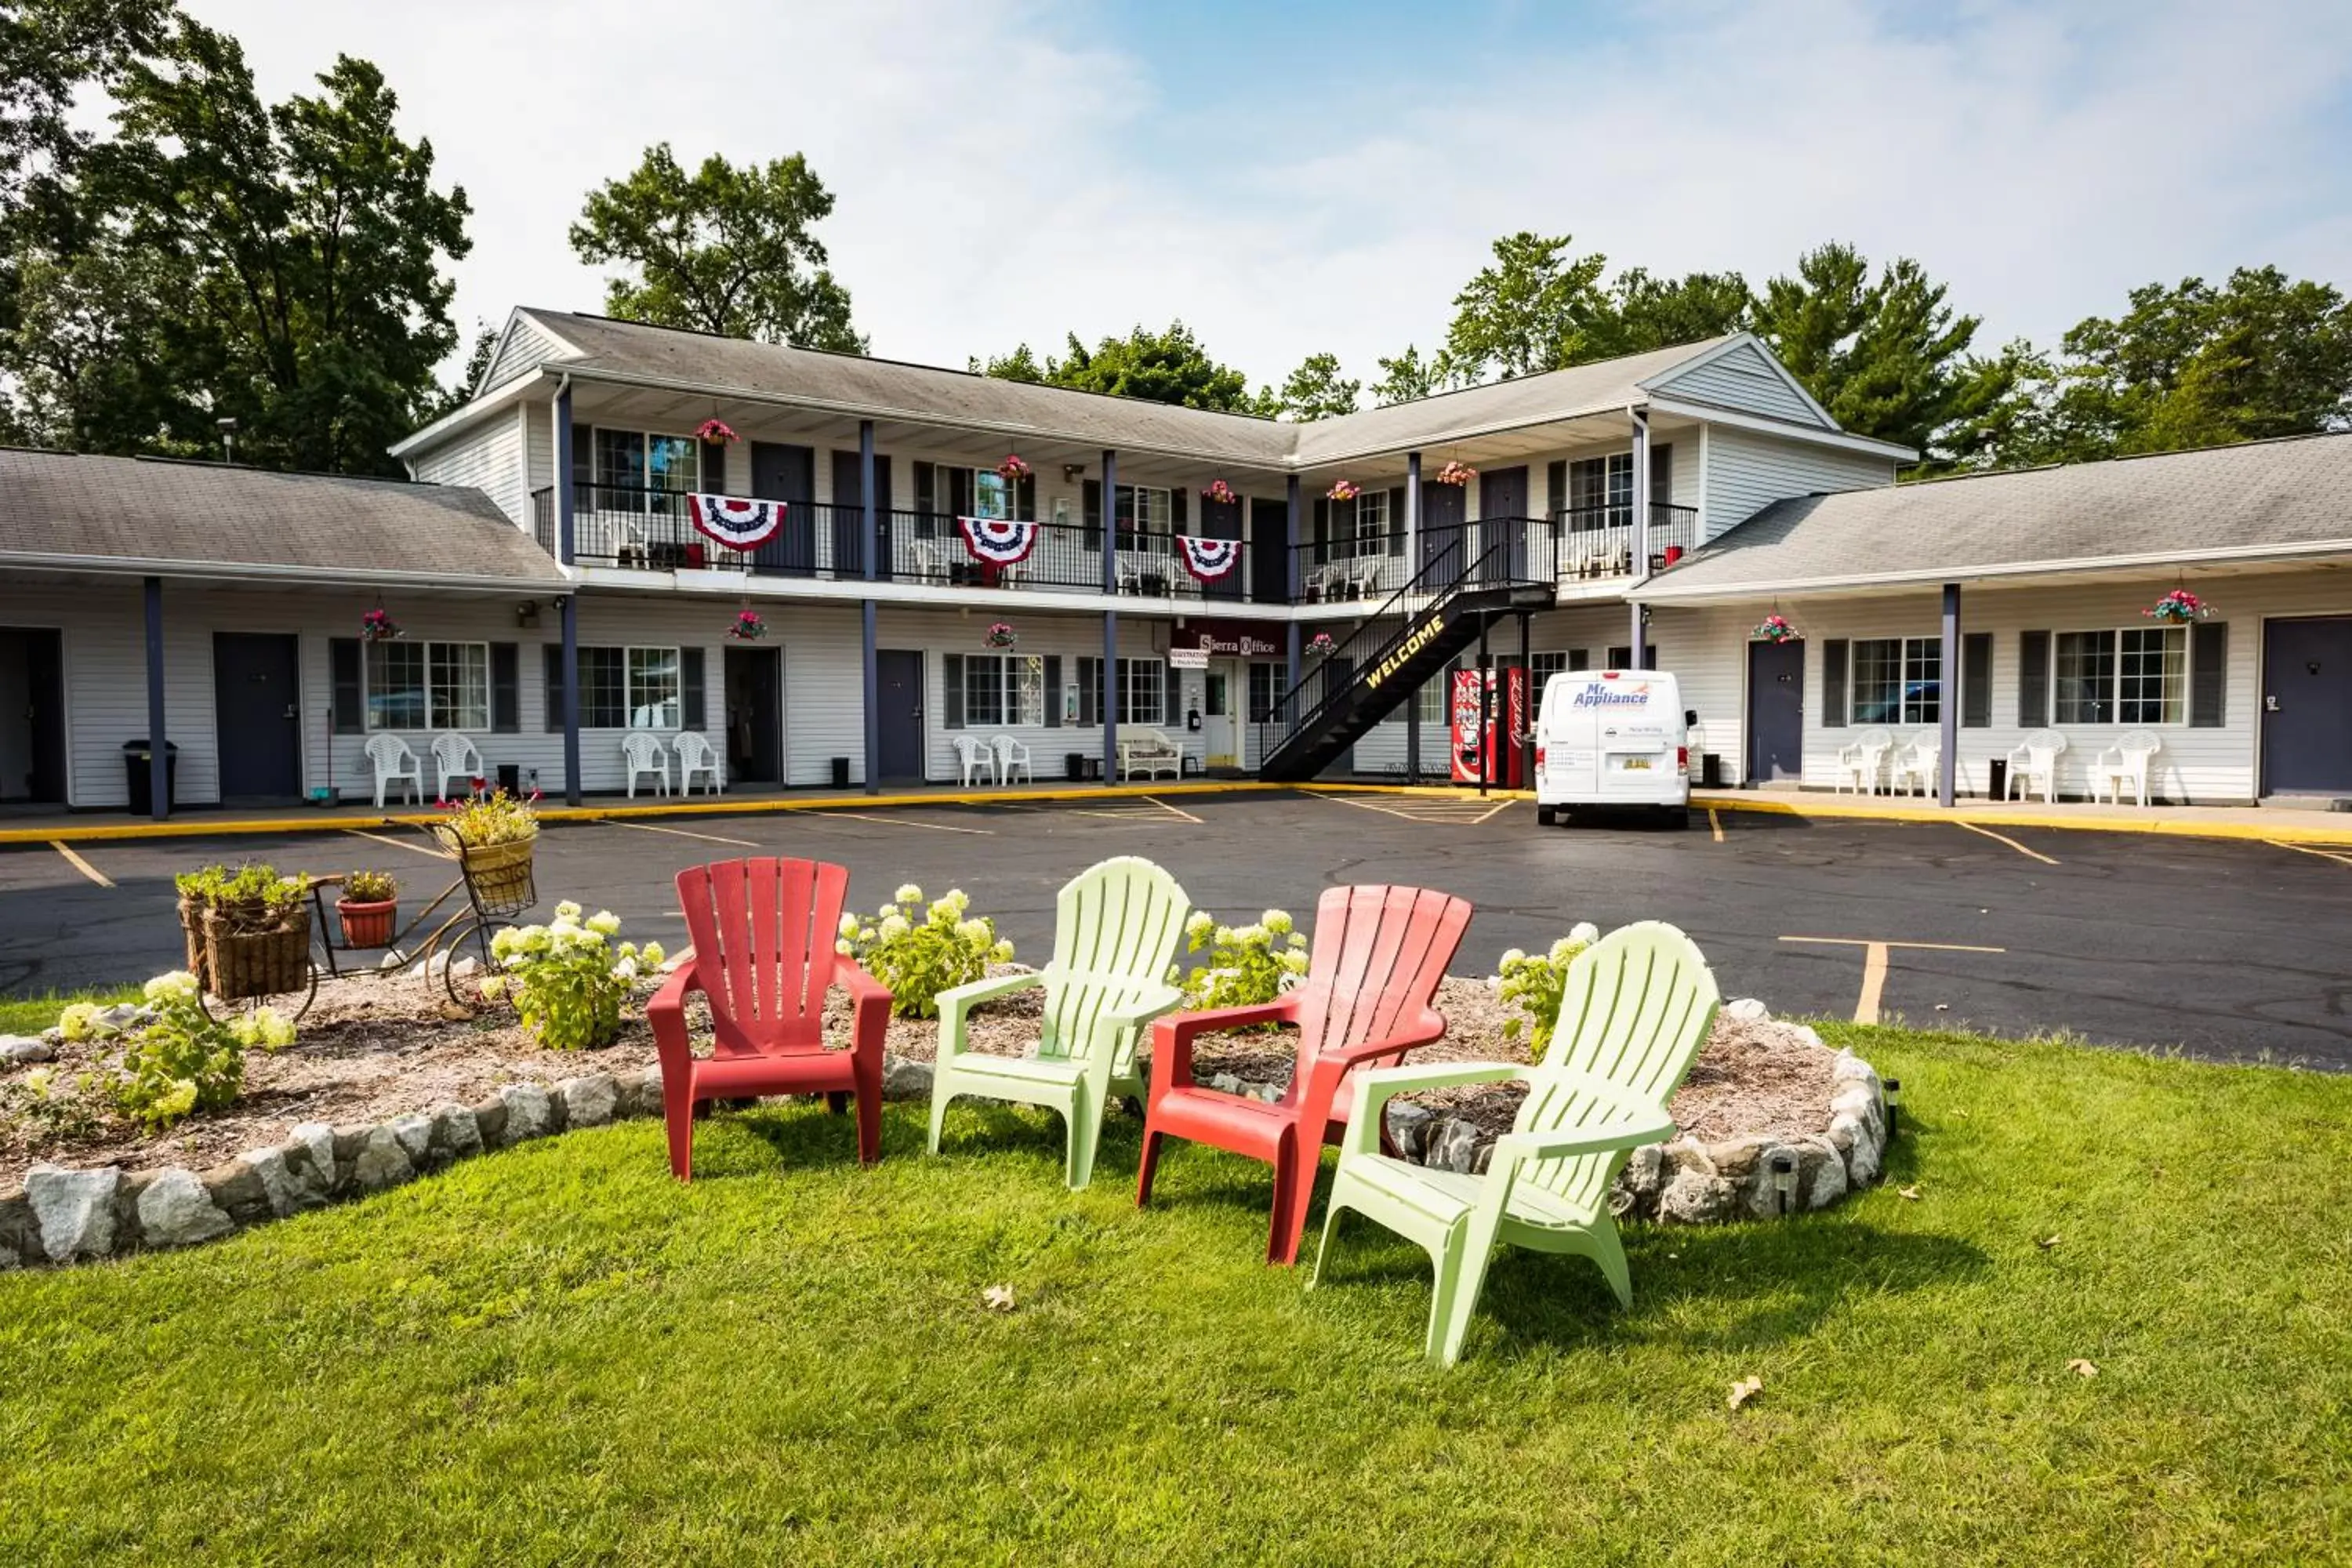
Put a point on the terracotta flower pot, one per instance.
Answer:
(368, 923)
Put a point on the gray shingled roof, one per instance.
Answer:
(631, 351)
(166, 516)
(2247, 501)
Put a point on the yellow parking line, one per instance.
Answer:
(80, 865)
(1715, 822)
(1173, 811)
(898, 822)
(1364, 805)
(1499, 807)
(2275, 844)
(682, 833)
(1873, 965)
(2005, 838)
(408, 843)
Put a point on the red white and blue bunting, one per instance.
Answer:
(736, 524)
(1208, 559)
(997, 540)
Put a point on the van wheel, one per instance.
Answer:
(1546, 815)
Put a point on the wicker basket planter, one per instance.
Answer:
(244, 959)
(368, 922)
(501, 875)
(192, 927)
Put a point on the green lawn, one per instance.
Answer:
(556, 1354)
(31, 1014)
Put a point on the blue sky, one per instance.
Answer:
(1300, 177)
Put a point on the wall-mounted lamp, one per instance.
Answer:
(1073, 472)
(527, 613)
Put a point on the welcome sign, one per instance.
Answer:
(1420, 637)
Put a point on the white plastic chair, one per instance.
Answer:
(696, 755)
(2034, 764)
(2125, 762)
(1011, 757)
(975, 756)
(1860, 764)
(454, 757)
(1917, 765)
(395, 764)
(644, 754)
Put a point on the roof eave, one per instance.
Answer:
(1664, 590)
(1764, 424)
(278, 572)
(494, 401)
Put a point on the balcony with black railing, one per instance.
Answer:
(1597, 541)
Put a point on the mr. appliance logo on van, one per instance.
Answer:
(1613, 694)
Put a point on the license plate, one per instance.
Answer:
(1635, 765)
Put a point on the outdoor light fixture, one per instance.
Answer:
(1073, 472)
(1784, 1179)
(526, 613)
(1893, 1105)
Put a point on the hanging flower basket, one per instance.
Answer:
(1013, 470)
(716, 431)
(1001, 634)
(1455, 473)
(1320, 646)
(747, 627)
(1341, 490)
(1776, 628)
(377, 625)
(2180, 605)
(1220, 492)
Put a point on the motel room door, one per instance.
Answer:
(1221, 728)
(898, 678)
(2307, 707)
(257, 713)
(1776, 712)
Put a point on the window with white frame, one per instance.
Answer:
(632, 466)
(2138, 674)
(1142, 691)
(654, 688)
(992, 494)
(1265, 690)
(1001, 689)
(1601, 491)
(1144, 510)
(1897, 680)
(1373, 523)
(428, 685)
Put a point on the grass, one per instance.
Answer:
(556, 1354)
(31, 1014)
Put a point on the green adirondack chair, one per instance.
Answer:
(1116, 932)
(1637, 1008)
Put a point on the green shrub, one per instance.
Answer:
(370, 887)
(53, 1108)
(1533, 983)
(918, 955)
(182, 1059)
(495, 818)
(567, 980)
(257, 886)
(1247, 966)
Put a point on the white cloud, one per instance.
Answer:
(1002, 172)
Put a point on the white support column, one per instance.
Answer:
(1640, 531)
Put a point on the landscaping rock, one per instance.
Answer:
(175, 1210)
(1739, 1159)
(1452, 1144)
(311, 1184)
(238, 1190)
(1807, 1034)
(588, 1101)
(456, 1135)
(1762, 1195)
(75, 1210)
(20, 1233)
(641, 1092)
(903, 1077)
(491, 1122)
(320, 1140)
(350, 1139)
(381, 1162)
(1638, 1184)
(530, 1113)
(1694, 1197)
(123, 1016)
(1862, 1157)
(414, 1134)
(1748, 1010)
(23, 1050)
(1407, 1126)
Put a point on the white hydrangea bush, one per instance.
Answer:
(918, 952)
(1533, 983)
(569, 978)
(1246, 966)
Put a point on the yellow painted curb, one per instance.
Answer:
(2254, 829)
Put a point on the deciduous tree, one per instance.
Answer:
(1168, 366)
(1315, 390)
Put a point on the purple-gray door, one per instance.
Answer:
(1442, 512)
(899, 680)
(258, 714)
(1776, 711)
(2307, 707)
(1503, 507)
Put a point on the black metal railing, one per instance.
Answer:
(1597, 541)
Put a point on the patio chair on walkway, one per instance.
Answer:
(2125, 762)
(2035, 765)
(1860, 765)
(695, 755)
(975, 758)
(454, 757)
(1638, 1005)
(395, 764)
(1011, 758)
(1115, 929)
(1369, 997)
(763, 933)
(644, 752)
(1917, 767)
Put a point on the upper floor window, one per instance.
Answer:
(634, 471)
(1600, 489)
(1144, 509)
(1371, 523)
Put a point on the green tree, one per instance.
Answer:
(1168, 366)
(1530, 310)
(1885, 354)
(723, 250)
(1404, 377)
(1315, 390)
(1639, 312)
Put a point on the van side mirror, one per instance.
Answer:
(1690, 715)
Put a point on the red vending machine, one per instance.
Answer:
(1471, 741)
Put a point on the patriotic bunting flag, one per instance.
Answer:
(736, 524)
(997, 540)
(1208, 559)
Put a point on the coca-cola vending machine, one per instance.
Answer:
(1472, 740)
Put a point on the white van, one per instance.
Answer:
(1613, 738)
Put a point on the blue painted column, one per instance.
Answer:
(159, 746)
(567, 526)
(571, 604)
(1108, 696)
(1948, 700)
(1297, 584)
(869, 666)
(1640, 529)
(1411, 525)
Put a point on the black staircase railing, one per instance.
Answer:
(1383, 639)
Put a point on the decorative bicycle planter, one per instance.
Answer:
(250, 954)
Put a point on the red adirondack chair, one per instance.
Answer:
(764, 957)
(1378, 957)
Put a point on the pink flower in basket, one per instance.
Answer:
(1220, 492)
(1012, 469)
(1001, 634)
(1320, 646)
(2180, 604)
(377, 625)
(747, 627)
(1341, 490)
(716, 430)
(1456, 473)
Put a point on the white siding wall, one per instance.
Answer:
(103, 629)
(526, 343)
(1747, 471)
(1742, 379)
(489, 457)
(1072, 638)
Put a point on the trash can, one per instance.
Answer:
(1998, 786)
(510, 777)
(138, 761)
(841, 772)
(1710, 770)
(1074, 767)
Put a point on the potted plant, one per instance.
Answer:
(1320, 646)
(493, 837)
(2180, 605)
(377, 625)
(1220, 492)
(1455, 472)
(748, 627)
(1001, 634)
(1775, 627)
(248, 931)
(1013, 470)
(715, 431)
(370, 908)
(1341, 490)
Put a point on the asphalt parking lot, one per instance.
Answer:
(2226, 950)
